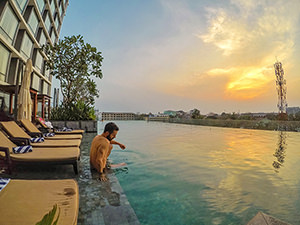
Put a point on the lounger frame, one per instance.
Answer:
(24, 141)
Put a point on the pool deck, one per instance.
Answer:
(100, 203)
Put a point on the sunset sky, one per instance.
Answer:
(214, 55)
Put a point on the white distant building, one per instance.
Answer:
(117, 116)
(292, 110)
(158, 117)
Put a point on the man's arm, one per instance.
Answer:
(102, 150)
(113, 142)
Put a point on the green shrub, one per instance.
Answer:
(73, 112)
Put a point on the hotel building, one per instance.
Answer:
(25, 26)
(117, 116)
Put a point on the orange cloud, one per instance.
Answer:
(248, 83)
(240, 45)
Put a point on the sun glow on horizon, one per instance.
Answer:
(252, 83)
(248, 39)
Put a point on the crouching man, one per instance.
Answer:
(101, 148)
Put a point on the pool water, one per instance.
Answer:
(186, 174)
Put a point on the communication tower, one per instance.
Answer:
(281, 89)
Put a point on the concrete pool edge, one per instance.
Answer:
(104, 203)
(123, 214)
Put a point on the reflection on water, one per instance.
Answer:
(121, 170)
(280, 151)
(186, 174)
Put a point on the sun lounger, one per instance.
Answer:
(27, 201)
(13, 130)
(57, 156)
(31, 128)
(57, 131)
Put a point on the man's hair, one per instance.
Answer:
(110, 127)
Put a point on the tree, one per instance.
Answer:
(195, 113)
(234, 116)
(297, 116)
(246, 117)
(272, 116)
(74, 63)
(225, 116)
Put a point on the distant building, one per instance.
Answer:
(178, 114)
(292, 110)
(263, 115)
(212, 115)
(118, 116)
(260, 114)
(170, 113)
(158, 117)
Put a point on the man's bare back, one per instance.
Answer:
(101, 148)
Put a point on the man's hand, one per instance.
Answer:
(103, 177)
(122, 146)
(113, 142)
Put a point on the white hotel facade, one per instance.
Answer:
(25, 26)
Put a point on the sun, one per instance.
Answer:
(248, 83)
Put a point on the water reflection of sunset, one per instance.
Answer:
(245, 148)
(221, 173)
(247, 159)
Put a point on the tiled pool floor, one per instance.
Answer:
(100, 203)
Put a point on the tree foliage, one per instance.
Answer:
(73, 112)
(294, 117)
(75, 63)
(195, 113)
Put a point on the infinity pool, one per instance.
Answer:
(185, 174)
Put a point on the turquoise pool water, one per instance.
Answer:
(185, 174)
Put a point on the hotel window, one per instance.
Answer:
(4, 57)
(38, 61)
(21, 4)
(61, 11)
(52, 6)
(26, 46)
(35, 84)
(47, 74)
(9, 24)
(41, 5)
(39, 109)
(47, 22)
(43, 39)
(53, 37)
(4, 101)
(49, 90)
(45, 88)
(33, 21)
(56, 22)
